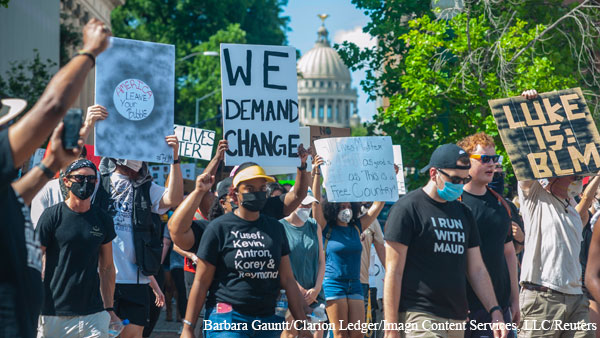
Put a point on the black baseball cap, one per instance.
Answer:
(223, 187)
(446, 156)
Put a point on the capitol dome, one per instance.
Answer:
(325, 95)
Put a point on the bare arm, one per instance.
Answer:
(27, 134)
(174, 194)
(107, 274)
(587, 199)
(317, 210)
(94, 113)
(592, 270)
(511, 261)
(213, 165)
(392, 286)
(165, 251)
(287, 282)
(190, 255)
(380, 250)
(311, 295)
(371, 215)
(180, 223)
(293, 198)
(205, 273)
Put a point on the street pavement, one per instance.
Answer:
(164, 329)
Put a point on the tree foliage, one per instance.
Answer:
(441, 73)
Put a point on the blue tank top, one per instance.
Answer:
(342, 255)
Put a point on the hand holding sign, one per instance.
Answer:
(173, 142)
(221, 149)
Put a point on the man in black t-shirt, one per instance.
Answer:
(432, 248)
(493, 216)
(79, 279)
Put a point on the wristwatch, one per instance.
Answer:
(303, 167)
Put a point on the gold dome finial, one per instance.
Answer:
(322, 32)
(323, 17)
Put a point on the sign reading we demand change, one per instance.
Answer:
(358, 169)
(553, 135)
(260, 104)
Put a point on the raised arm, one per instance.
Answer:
(29, 132)
(317, 210)
(174, 194)
(371, 215)
(592, 270)
(94, 114)
(293, 198)
(180, 223)
(587, 199)
(213, 165)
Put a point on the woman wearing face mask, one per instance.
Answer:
(306, 250)
(243, 262)
(341, 242)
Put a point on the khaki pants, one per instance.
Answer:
(92, 326)
(425, 325)
(552, 314)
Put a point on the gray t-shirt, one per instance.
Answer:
(552, 240)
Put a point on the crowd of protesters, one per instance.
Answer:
(461, 259)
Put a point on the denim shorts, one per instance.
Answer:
(342, 288)
(233, 324)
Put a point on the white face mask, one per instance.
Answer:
(345, 215)
(133, 165)
(596, 205)
(575, 188)
(303, 214)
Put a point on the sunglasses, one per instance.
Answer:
(82, 178)
(456, 179)
(486, 158)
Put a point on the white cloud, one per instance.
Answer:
(355, 35)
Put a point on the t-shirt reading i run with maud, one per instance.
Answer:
(73, 241)
(246, 256)
(495, 230)
(438, 236)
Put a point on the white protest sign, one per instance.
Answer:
(195, 142)
(260, 104)
(135, 81)
(305, 141)
(400, 174)
(376, 272)
(358, 169)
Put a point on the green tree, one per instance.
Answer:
(27, 79)
(4, 3)
(447, 70)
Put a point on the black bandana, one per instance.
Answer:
(81, 163)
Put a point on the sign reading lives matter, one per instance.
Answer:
(195, 142)
(260, 104)
(553, 135)
(358, 169)
(135, 81)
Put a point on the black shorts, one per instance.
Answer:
(132, 302)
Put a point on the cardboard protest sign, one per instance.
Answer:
(319, 132)
(278, 170)
(400, 175)
(135, 81)
(260, 104)
(358, 169)
(553, 135)
(195, 142)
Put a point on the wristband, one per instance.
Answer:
(108, 309)
(88, 54)
(49, 173)
(495, 308)
(177, 161)
(187, 322)
(303, 167)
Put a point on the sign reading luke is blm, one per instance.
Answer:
(358, 169)
(135, 81)
(195, 142)
(553, 135)
(260, 104)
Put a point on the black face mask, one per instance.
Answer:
(497, 184)
(83, 190)
(254, 201)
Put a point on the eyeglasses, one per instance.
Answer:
(82, 178)
(456, 179)
(486, 158)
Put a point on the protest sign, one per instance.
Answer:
(319, 132)
(260, 104)
(278, 170)
(135, 81)
(36, 158)
(400, 175)
(553, 135)
(376, 272)
(195, 142)
(358, 169)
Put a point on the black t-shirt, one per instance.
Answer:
(495, 230)
(246, 256)
(21, 257)
(274, 207)
(438, 236)
(73, 241)
(198, 227)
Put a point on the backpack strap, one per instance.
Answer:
(501, 200)
(327, 236)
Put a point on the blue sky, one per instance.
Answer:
(345, 22)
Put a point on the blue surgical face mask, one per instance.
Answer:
(451, 191)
